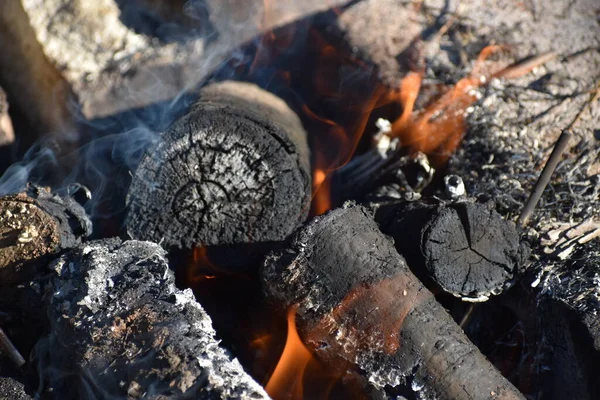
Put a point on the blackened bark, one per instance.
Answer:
(34, 226)
(468, 249)
(121, 329)
(234, 170)
(358, 302)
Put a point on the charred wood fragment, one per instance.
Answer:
(358, 302)
(467, 248)
(121, 329)
(34, 226)
(234, 170)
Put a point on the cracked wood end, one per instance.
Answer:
(234, 170)
(469, 250)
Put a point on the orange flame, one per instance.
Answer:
(286, 381)
(438, 130)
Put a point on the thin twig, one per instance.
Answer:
(467, 316)
(552, 162)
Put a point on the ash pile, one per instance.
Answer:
(357, 199)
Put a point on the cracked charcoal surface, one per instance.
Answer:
(357, 301)
(121, 329)
(470, 251)
(467, 248)
(233, 170)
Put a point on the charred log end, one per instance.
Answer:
(121, 328)
(465, 248)
(34, 226)
(234, 170)
(471, 251)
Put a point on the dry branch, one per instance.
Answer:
(234, 170)
(358, 302)
(34, 226)
(121, 329)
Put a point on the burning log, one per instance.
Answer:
(35, 225)
(358, 302)
(121, 329)
(234, 170)
(468, 249)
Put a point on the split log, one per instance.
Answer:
(234, 170)
(468, 249)
(32, 82)
(34, 226)
(121, 329)
(358, 302)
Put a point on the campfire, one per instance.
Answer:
(298, 200)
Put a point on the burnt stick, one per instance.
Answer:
(358, 301)
(234, 170)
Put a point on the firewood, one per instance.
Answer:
(35, 225)
(358, 302)
(234, 170)
(32, 82)
(121, 329)
(467, 248)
